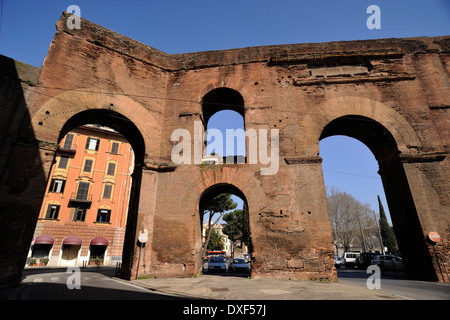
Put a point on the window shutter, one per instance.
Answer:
(87, 165)
(83, 188)
(107, 191)
(52, 184)
(68, 141)
(115, 148)
(63, 186)
(111, 169)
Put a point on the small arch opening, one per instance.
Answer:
(223, 115)
(226, 240)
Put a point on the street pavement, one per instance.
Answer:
(351, 285)
(227, 286)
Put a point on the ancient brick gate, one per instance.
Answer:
(392, 94)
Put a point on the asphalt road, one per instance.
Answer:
(396, 285)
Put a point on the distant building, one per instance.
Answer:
(239, 247)
(83, 216)
(218, 228)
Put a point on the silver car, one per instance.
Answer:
(338, 262)
(388, 262)
(217, 264)
(239, 265)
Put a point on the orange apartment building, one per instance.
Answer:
(83, 216)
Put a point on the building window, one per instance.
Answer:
(88, 165)
(52, 211)
(107, 191)
(79, 214)
(57, 186)
(83, 189)
(111, 169)
(68, 141)
(92, 143)
(63, 161)
(115, 148)
(103, 215)
(41, 251)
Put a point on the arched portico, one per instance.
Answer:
(391, 139)
(71, 109)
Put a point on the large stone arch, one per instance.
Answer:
(391, 139)
(50, 118)
(320, 116)
(72, 108)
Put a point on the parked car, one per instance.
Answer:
(388, 262)
(239, 265)
(365, 259)
(349, 259)
(217, 264)
(338, 262)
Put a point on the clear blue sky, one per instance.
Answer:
(27, 28)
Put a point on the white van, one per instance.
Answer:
(349, 259)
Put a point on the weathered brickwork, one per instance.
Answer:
(391, 94)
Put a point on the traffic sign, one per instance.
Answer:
(143, 238)
(434, 236)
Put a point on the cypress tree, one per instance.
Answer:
(387, 234)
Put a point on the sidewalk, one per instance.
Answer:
(241, 288)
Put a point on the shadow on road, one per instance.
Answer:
(51, 291)
(41, 284)
(359, 273)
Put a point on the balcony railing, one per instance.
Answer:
(68, 150)
(81, 198)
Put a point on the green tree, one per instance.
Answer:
(237, 225)
(218, 204)
(386, 232)
(215, 241)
